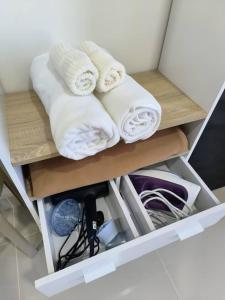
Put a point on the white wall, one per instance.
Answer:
(131, 29)
(193, 56)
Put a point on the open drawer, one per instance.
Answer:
(208, 209)
(142, 237)
(89, 269)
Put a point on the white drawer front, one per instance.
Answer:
(106, 262)
(91, 268)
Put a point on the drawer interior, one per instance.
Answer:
(124, 205)
(179, 166)
(113, 208)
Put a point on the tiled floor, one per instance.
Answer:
(192, 269)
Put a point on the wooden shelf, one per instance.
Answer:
(30, 138)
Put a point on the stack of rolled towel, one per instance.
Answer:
(82, 123)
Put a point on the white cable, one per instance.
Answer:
(172, 208)
(158, 191)
(163, 218)
(175, 195)
(161, 198)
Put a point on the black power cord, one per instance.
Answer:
(83, 242)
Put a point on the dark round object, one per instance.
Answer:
(100, 218)
(65, 217)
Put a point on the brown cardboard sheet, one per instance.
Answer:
(60, 174)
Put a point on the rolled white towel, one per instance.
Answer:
(80, 126)
(76, 69)
(111, 72)
(135, 111)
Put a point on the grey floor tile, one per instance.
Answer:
(17, 215)
(24, 222)
(20, 218)
(197, 265)
(141, 279)
(8, 267)
(8, 214)
(220, 194)
(31, 269)
(9, 293)
(3, 240)
(9, 196)
(4, 199)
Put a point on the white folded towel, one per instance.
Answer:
(80, 126)
(135, 111)
(111, 72)
(76, 69)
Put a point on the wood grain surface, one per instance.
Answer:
(30, 138)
